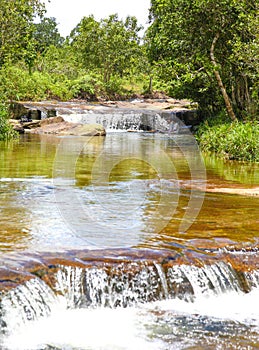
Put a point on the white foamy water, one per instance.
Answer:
(117, 120)
(170, 324)
(100, 328)
(238, 307)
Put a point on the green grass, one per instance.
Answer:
(233, 141)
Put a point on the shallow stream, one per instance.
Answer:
(136, 191)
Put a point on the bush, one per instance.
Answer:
(17, 84)
(234, 141)
(6, 130)
(88, 86)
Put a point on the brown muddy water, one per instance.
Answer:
(135, 194)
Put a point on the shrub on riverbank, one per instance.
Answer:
(16, 83)
(6, 130)
(233, 141)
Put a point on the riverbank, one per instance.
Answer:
(230, 140)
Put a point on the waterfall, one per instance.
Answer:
(122, 120)
(130, 284)
(252, 278)
(28, 302)
(118, 286)
(189, 282)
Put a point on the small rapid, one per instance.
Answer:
(127, 120)
(134, 305)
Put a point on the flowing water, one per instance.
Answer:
(145, 263)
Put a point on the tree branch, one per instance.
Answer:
(219, 80)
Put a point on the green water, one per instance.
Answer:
(123, 190)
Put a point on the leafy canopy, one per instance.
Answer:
(17, 26)
(185, 36)
(109, 45)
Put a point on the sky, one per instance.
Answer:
(68, 13)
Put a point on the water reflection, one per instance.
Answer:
(232, 171)
(122, 190)
(129, 187)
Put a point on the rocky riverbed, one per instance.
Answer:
(58, 126)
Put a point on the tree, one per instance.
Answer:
(46, 34)
(199, 42)
(109, 45)
(85, 42)
(16, 27)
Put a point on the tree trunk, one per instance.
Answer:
(247, 95)
(219, 80)
(150, 86)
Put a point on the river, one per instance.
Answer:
(132, 194)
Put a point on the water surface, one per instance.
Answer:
(128, 190)
(122, 190)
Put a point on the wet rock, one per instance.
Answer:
(24, 124)
(17, 126)
(54, 128)
(30, 125)
(182, 109)
(86, 130)
(10, 279)
(32, 110)
(52, 120)
(58, 126)
(254, 191)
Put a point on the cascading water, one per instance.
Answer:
(125, 285)
(131, 305)
(123, 120)
(26, 303)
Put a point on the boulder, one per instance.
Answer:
(86, 130)
(16, 126)
(57, 126)
(52, 120)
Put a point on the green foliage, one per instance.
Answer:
(6, 130)
(91, 87)
(180, 42)
(16, 27)
(60, 61)
(234, 141)
(87, 86)
(46, 34)
(17, 83)
(43, 35)
(110, 46)
(37, 63)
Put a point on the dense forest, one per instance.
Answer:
(202, 50)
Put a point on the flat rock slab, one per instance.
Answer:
(240, 191)
(224, 188)
(57, 126)
(85, 130)
(150, 104)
